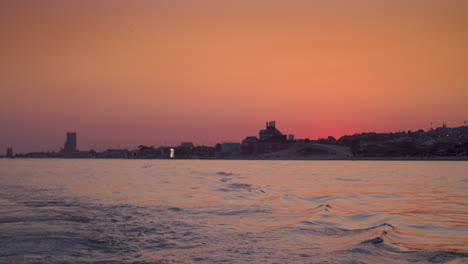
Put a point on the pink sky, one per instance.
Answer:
(124, 73)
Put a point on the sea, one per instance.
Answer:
(233, 211)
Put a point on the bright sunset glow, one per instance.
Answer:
(124, 73)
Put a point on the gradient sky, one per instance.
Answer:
(124, 73)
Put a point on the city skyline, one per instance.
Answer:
(71, 146)
(163, 72)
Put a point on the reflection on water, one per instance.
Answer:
(198, 211)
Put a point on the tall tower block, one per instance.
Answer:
(70, 144)
(9, 152)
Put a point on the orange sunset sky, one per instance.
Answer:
(124, 73)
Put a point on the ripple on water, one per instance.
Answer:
(235, 222)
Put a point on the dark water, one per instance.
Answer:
(194, 211)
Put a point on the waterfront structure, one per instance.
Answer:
(70, 143)
(115, 154)
(270, 140)
(9, 153)
(228, 150)
(187, 144)
(271, 133)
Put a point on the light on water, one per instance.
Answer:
(201, 211)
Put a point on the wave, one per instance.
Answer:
(236, 222)
(350, 180)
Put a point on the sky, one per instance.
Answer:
(125, 73)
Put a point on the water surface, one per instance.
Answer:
(201, 211)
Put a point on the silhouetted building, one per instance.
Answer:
(228, 150)
(163, 152)
(70, 144)
(37, 155)
(116, 154)
(187, 144)
(9, 153)
(270, 140)
(271, 134)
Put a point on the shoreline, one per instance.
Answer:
(463, 158)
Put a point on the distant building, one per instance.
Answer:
(116, 154)
(186, 144)
(270, 140)
(70, 144)
(163, 152)
(37, 155)
(271, 134)
(228, 150)
(9, 153)
(230, 147)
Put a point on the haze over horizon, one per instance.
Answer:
(125, 73)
